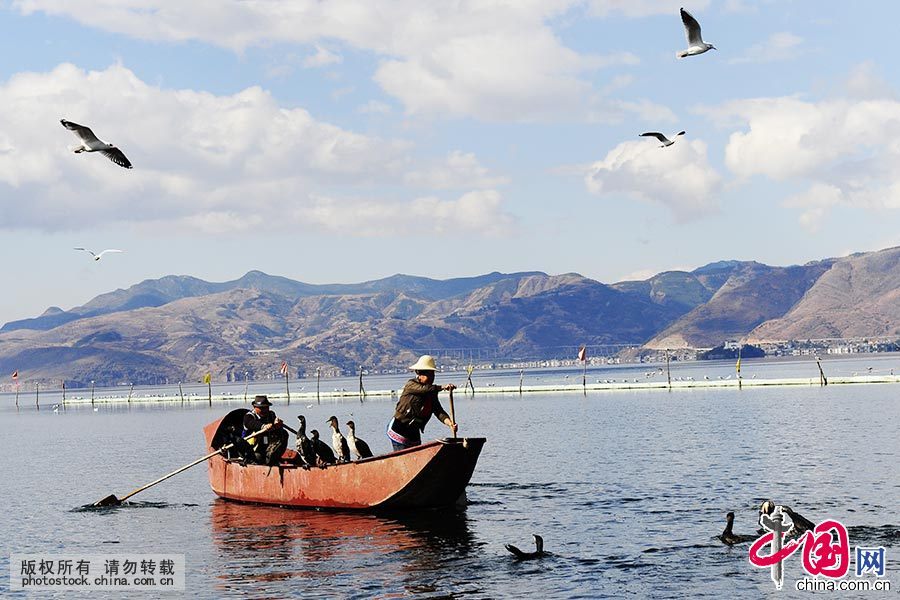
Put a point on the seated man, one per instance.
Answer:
(267, 447)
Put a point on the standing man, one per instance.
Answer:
(418, 401)
(268, 447)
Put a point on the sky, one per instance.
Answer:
(344, 141)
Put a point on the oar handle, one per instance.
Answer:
(189, 465)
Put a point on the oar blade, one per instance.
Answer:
(110, 500)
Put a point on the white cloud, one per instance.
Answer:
(678, 177)
(212, 162)
(845, 150)
(645, 8)
(480, 212)
(777, 47)
(321, 58)
(459, 170)
(491, 60)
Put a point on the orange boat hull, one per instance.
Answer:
(432, 475)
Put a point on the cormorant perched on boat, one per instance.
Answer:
(338, 441)
(358, 446)
(323, 452)
(731, 538)
(800, 524)
(305, 448)
(538, 549)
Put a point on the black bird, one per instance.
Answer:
(323, 453)
(538, 549)
(731, 538)
(359, 447)
(304, 445)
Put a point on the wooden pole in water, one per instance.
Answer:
(318, 373)
(822, 379)
(668, 371)
(130, 391)
(181, 392)
(362, 390)
(246, 384)
(209, 390)
(37, 394)
(287, 376)
(92, 392)
(17, 394)
(64, 394)
(521, 377)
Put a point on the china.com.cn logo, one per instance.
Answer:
(825, 550)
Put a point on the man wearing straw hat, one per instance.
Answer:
(418, 401)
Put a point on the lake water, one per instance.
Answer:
(628, 490)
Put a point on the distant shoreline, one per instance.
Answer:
(611, 386)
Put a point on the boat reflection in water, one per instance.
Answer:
(261, 549)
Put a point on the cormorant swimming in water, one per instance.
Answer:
(731, 538)
(538, 552)
(358, 446)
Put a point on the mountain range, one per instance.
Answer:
(177, 328)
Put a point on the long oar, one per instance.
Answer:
(111, 500)
(452, 416)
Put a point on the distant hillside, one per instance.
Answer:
(751, 293)
(858, 297)
(180, 327)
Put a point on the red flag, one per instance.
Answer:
(582, 354)
(15, 374)
(284, 368)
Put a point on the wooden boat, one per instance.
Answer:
(432, 475)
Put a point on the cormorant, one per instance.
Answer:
(323, 453)
(338, 441)
(358, 446)
(304, 445)
(538, 549)
(730, 537)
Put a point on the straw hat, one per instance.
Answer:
(425, 363)
(261, 400)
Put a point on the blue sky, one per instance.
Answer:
(347, 141)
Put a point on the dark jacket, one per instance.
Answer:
(417, 403)
(254, 422)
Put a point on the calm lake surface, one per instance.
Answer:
(628, 489)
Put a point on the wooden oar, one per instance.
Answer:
(452, 416)
(111, 500)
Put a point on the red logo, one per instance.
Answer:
(826, 550)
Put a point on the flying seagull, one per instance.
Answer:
(696, 45)
(666, 142)
(100, 255)
(90, 143)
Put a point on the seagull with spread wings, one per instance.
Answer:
(666, 142)
(90, 143)
(696, 45)
(99, 255)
